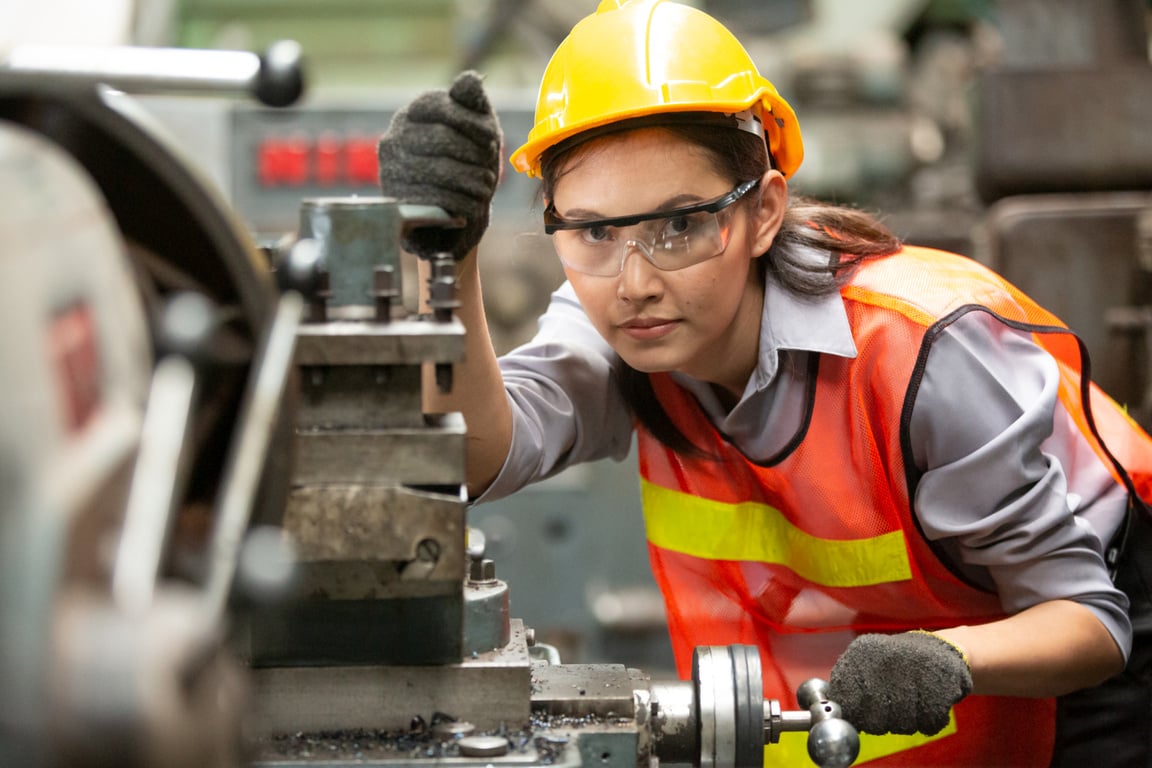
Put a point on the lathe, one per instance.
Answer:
(229, 535)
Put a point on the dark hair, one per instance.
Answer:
(847, 235)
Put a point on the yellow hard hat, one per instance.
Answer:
(633, 58)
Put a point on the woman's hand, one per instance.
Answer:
(907, 682)
(902, 683)
(443, 149)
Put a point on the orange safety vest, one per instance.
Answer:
(802, 554)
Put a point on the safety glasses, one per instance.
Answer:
(670, 240)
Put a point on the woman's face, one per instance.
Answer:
(703, 319)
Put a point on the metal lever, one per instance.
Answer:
(185, 330)
(263, 400)
(275, 78)
(832, 741)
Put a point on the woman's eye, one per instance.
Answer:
(597, 234)
(678, 226)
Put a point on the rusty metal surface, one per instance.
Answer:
(360, 397)
(603, 690)
(377, 524)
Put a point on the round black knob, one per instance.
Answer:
(280, 81)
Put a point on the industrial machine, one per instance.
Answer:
(144, 379)
(228, 533)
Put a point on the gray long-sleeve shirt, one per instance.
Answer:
(1011, 491)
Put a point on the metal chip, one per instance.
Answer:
(483, 746)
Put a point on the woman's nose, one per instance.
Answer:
(639, 278)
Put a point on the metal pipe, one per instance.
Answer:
(274, 78)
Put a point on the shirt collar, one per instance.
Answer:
(801, 323)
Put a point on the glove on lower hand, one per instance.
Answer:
(903, 683)
(443, 149)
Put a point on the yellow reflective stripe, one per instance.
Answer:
(714, 530)
(792, 749)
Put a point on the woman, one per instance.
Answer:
(860, 457)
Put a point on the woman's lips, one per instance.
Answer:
(648, 328)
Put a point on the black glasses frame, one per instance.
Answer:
(554, 222)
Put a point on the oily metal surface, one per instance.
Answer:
(490, 690)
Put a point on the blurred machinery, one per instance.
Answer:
(144, 373)
(230, 535)
(1064, 161)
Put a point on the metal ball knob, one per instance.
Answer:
(300, 268)
(833, 743)
(186, 325)
(812, 692)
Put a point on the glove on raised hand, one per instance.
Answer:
(443, 149)
(903, 683)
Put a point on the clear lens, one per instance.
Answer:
(671, 241)
(669, 244)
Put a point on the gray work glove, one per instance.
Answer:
(903, 683)
(443, 149)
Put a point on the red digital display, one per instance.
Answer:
(328, 160)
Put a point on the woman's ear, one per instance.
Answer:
(768, 215)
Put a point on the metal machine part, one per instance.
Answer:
(376, 511)
(504, 704)
(121, 434)
(275, 78)
(736, 722)
(1064, 52)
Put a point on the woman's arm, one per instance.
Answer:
(1016, 499)
(477, 385)
(444, 149)
(1050, 649)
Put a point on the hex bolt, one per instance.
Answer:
(442, 288)
(482, 571)
(384, 291)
